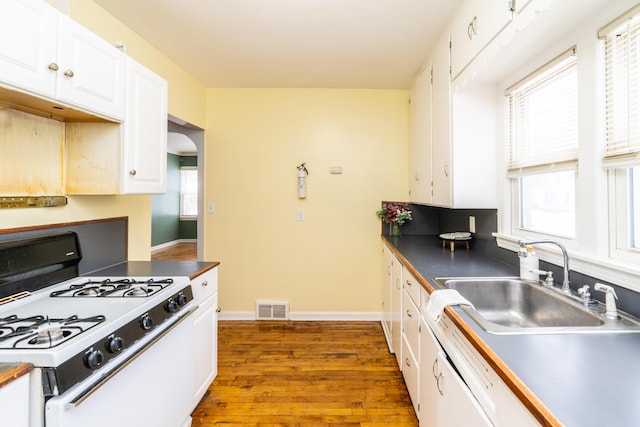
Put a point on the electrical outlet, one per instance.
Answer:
(300, 215)
(211, 207)
(472, 224)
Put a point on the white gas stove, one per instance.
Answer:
(81, 332)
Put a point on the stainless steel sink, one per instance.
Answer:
(505, 305)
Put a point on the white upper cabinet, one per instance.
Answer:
(420, 159)
(441, 167)
(127, 158)
(45, 53)
(28, 46)
(475, 25)
(91, 72)
(144, 168)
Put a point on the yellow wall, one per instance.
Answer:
(186, 101)
(255, 140)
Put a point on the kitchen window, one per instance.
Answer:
(621, 44)
(543, 148)
(188, 192)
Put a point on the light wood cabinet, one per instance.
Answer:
(35, 165)
(51, 55)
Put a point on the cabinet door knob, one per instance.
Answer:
(68, 73)
(132, 172)
(205, 283)
(53, 66)
(218, 310)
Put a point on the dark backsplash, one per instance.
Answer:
(432, 221)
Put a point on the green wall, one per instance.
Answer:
(166, 225)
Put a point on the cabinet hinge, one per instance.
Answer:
(431, 75)
(512, 5)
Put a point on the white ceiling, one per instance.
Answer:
(377, 44)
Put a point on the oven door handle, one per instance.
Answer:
(83, 395)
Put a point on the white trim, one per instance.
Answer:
(619, 273)
(308, 316)
(171, 243)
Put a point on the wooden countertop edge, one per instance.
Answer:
(14, 373)
(204, 270)
(535, 406)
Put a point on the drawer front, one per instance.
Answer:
(205, 285)
(411, 285)
(411, 322)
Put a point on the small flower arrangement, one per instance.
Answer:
(394, 214)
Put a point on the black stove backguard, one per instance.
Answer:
(34, 263)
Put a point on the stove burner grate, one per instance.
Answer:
(41, 331)
(113, 288)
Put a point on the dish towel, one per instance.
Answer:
(441, 298)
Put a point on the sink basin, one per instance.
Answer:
(505, 305)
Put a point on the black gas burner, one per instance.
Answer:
(41, 331)
(122, 288)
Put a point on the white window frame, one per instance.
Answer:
(622, 133)
(182, 194)
(590, 251)
(520, 165)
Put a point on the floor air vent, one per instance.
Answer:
(272, 310)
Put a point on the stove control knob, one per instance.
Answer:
(93, 359)
(114, 344)
(171, 306)
(182, 299)
(146, 322)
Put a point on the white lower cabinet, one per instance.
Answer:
(14, 403)
(396, 309)
(429, 350)
(205, 326)
(457, 407)
(411, 347)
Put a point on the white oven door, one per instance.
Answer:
(154, 389)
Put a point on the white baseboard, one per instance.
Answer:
(171, 243)
(307, 315)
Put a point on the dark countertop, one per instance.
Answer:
(583, 379)
(157, 268)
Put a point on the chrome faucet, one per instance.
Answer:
(565, 280)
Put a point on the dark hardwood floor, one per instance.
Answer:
(305, 374)
(183, 251)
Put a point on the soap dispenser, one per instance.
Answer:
(529, 264)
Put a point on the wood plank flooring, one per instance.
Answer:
(182, 251)
(305, 374)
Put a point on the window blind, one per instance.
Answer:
(622, 90)
(543, 123)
